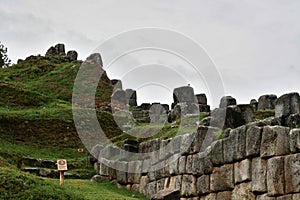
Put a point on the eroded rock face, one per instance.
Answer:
(57, 50)
(95, 59)
(266, 102)
(227, 101)
(117, 84)
(287, 104)
(184, 94)
(72, 55)
(201, 99)
(131, 97)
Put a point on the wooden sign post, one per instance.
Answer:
(61, 167)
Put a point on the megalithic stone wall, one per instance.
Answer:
(253, 162)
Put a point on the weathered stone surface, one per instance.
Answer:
(190, 164)
(143, 183)
(229, 117)
(182, 164)
(287, 104)
(227, 101)
(186, 141)
(134, 171)
(203, 185)
(295, 140)
(72, 55)
(184, 94)
(204, 108)
(226, 195)
(254, 104)
(234, 146)
(275, 141)
(211, 196)
(217, 153)
(117, 84)
(99, 178)
(95, 152)
(131, 97)
(292, 173)
(242, 171)
(206, 161)
(173, 166)
(57, 50)
(151, 189)
(275, 176)
(247, 112)
(243, 191)
(173, 182)
(160, 184)
(285, 197)
(264, 197)
(103, 168)
(167, 195)
(122, 172)
(222, 178)
(296, 196)
(189, 186)
(253, 141)
(112, 172)
(95, 59)
(266, 102)
(259, 175)
(118, 97)
(201, 99)
(135, 187)
(293, 121)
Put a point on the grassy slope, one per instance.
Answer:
(36, 121)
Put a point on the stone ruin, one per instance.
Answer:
(256, 159)
(59, 50)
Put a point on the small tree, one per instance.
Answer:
(4, 60)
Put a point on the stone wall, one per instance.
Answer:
(252, 162)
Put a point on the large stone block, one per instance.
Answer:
(275, 141)
(253, 141)
(243, 191)
(143, 183)
(264, 197)
(275, 176)
(173, 166)
(173, 183)
(151, 189)
(227, 101)
(167, 195)
(184, 94)
(229, 117)
(292, 173)
(160, 184)
(201, 99)
(182, 165)
(203, 185)
(242, 171)
(211, 196)
(287, 104)
(293, 121)
(296, 196)
(122, 172)
(285, 197)
(222, 178)
(234, 146)
(190, 160)
(134, 171)
(189, 186)
(186, 142)
(266, 102)
(217, 153)
(226, 195)
(295, 140)
(259, 175)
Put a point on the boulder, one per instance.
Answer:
(266, 102)
(293, 121)
(117, 84)
(227, 101)
(72, 55)
(201, 99)
(118, 98)
(287, 104)
(57, 50)
(254, 104)
(229, 117)
(95, 59)
(184, 94)
(131, 97)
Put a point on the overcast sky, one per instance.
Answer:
(255, 44)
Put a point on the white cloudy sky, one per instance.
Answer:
(254, 44)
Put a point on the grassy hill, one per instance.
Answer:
(36, 122)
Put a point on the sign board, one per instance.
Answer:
(62, 165)
(80, 150)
